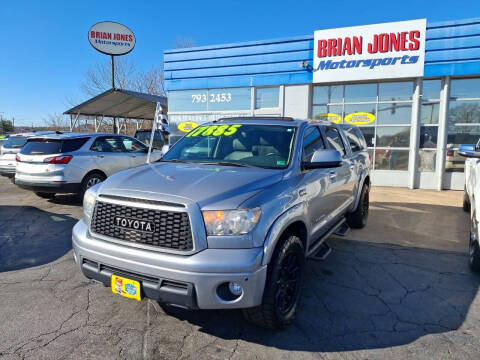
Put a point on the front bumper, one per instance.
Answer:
(48, 187)
(199, 275)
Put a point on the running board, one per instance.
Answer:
(322, 253)
(342, 230)
(313, 251)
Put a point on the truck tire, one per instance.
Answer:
(283, 286)
(44, 195)
(474, 248)
(358, 218)
(466, 201)
(88, 181)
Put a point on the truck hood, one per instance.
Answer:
(210, 186)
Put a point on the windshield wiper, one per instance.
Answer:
(226, 163)
(173, 160)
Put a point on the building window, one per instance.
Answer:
(266, 97)
(463, 125)
(226, 99)
(429, 111)
(382, 111)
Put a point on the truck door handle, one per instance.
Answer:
(100, 156)
(302, 192)
(333, 175)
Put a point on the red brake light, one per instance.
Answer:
(450, 153)
(17, 158)
(62, 159)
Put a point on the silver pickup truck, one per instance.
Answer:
(229, 215)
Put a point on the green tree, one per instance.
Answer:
(6, 126)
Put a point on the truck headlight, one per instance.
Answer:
(89, 203)
(231, 222)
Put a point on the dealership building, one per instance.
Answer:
(413, 87)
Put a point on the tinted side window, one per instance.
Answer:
(73, 144)
(334, 139)
(133, 145)
(107, 144)
(361, 138)
(312, 141)
(353, 139)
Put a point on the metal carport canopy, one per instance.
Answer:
(117, 103)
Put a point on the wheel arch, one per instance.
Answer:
(97, 171)
(291, 221)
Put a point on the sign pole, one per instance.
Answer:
(113, 72)
(115, 128)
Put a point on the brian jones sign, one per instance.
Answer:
(111, 38)
(380, 51)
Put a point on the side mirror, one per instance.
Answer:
(165, 149)
(322, 159)
(468, 150)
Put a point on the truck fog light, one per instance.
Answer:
(235, 288)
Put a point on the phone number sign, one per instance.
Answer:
(209, 100)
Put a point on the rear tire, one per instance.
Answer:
(466, 201)
(88, 181)
(473, 248)
(44, 195)
(283, 286)
(358, 219)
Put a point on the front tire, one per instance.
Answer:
(358, 219)
(44, 195)
(283, 287)
(89, 181)
(474, 248)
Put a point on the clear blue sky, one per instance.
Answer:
(45, 52)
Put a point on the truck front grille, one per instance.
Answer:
(165, 229)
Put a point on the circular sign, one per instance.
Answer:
(187, 126)
(111, 38)
(359, 118)
(334, 118)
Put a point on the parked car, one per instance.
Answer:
(471, 199)
(228, 216)
(8, 151)
(71, 163)
(158, 139)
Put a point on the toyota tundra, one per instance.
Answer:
(228, 216)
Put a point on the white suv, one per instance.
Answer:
(8, 150)
(71, 163)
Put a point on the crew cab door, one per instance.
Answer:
(315, 184)
(342, 179)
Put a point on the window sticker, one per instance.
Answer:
(334, 118)
(214, 130)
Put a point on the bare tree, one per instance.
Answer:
(99, 78)
(57, 122)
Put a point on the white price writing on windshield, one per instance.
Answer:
(213, 98)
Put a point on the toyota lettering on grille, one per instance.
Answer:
(134, 224)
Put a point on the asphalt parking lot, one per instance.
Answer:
(401, 288)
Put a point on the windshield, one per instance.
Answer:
(15, 142)
(266, 146)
